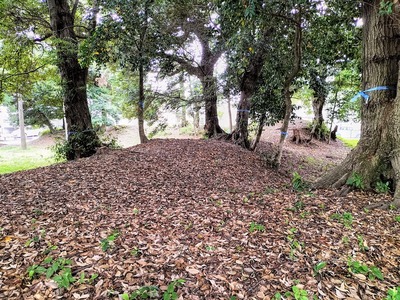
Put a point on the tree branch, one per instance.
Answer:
(21, 73)
(75, 8)
(45, 37)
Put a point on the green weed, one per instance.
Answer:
(296, 293)
(361, 243)
(256, 227)
(382, 187)
(108, 241)
(393, 294)
(149, 292)
(397, 218)
(346, 218)
(356, 181)
(318, 267)
(360, 268)
(298, 183)
(59, 270)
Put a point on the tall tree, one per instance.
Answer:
(73, 76)
(332, 40)
(52, 25)
(376, 157)
(196, 22)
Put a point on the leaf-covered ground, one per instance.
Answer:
(207, 212)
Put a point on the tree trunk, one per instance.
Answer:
(380, 112)
(196, 118)
(319, 88)
(297, 52)
(248, 87)
(142, 134)
(260, 128)
(74, 79)
(211, 127)
(230, 114)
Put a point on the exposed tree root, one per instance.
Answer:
(383, 205)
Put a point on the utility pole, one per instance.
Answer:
(21, 121)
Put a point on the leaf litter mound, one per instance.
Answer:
(204, 211)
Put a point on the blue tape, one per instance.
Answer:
(366, 96)
(141, 104)
(244, 110)
(284, 133)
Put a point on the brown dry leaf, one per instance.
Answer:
(183, 209)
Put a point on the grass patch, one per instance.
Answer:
(351, 143)
(13, 158)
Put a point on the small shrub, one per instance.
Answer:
(356, 181)
(397, 218)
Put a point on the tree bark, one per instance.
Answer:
(74, 78)
(140, 107)
(380, 130)
(318, 85)
(208, 83)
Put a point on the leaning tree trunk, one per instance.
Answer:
(82, 138)
(379, 134)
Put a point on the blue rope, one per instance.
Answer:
(365, 95)
(244, 110)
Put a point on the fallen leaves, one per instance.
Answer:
(183, 209)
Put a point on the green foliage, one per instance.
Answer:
(170, 293)
(346, 218)
(356, 181)
(360, 268)
(386, 7)
(361, 243)
(397, 218)
(393, 294)
(152, 292)
(144, 292)
(298, 206)
(79, 144)
(382, 187)
(84, 279)
(294, 244)
(298, 183)
(256, 227)
(108, 241)
(57, 269)
(296, 293)
(318, 267)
